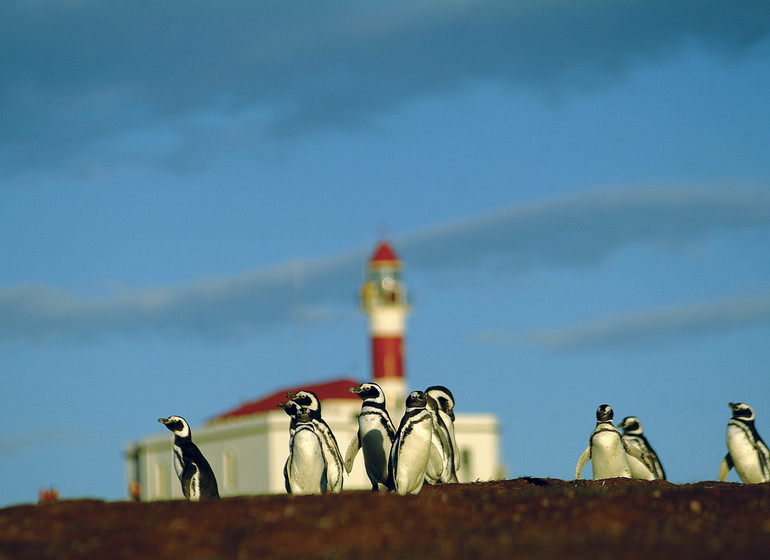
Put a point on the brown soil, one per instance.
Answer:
(521, 518)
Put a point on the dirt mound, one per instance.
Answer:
(521, 518)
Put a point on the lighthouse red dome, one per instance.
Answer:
(383, 253)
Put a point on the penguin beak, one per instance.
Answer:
(356, 389)
(281, 405)
(290, 395)
(733, 406)
(163, 420)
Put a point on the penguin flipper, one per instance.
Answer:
(286, 481)
(724, 467)
(435, 462)
(584, 458)
(189, 480)
(352, 451)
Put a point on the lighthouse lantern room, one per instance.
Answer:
(384, 302)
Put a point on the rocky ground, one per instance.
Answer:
(521, 518)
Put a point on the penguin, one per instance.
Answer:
(331, 451)
(375, 435)
(413, 453)
(305, 469)
(633, 435)
(441, 404)
(292, 409)
(606, 449)
(745, 449)
(194, 472)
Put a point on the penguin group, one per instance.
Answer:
(423, 450)
(629, 454)
(314, 464)
(619, 455)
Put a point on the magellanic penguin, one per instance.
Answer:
(606, 449)
(292, 409)
(413, 453)
(305, 470)
(375, 435)
(441, 404)
(331, 451)
(633, 435)
(745, 449)
(194, 472)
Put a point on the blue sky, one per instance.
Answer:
(580, 193)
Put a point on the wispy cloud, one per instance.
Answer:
(652, 325)
(77, 75)
(212, 308)
(578, 230)
(586, 228)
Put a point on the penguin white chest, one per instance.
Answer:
(742, 448)
(608, 457)
(413, 455)
(308, 466)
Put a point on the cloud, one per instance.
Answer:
(213, 308)
(79, 75)
(577, 230)
(584, 229)
(653, 325)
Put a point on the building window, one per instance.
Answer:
(465, 461)
(161, 481)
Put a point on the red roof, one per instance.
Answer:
(384, 252)
(337, 389)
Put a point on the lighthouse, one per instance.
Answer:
(384, 302)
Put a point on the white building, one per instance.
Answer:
(247, 446)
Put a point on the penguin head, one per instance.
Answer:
(604, 413)
(304, 416)
(443, 398)
(742, 411)
(369, 392)
(416, 399)
(177, 425)
(306, 399)
(631, 425)
(291, 408)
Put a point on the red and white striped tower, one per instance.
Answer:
(384, 302)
